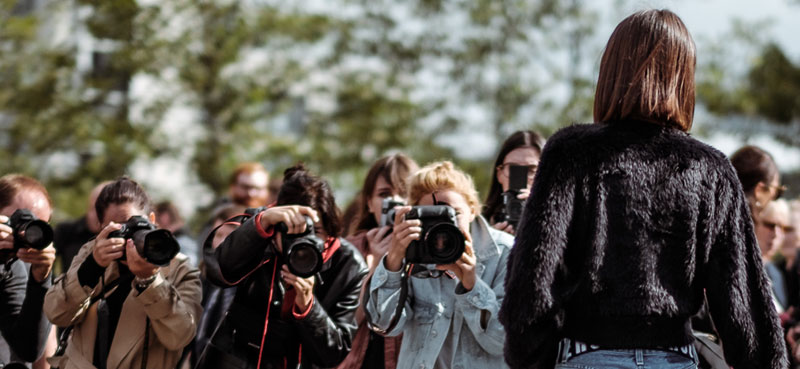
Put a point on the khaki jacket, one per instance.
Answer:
(172, 302)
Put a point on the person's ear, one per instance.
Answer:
(153, 218)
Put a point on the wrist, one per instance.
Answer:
(393, 262)
(141, 283)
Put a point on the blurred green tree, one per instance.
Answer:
(335, 84)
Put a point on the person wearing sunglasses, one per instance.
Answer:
(522, 148)
(449, 316)
(759, 176)
(770, 233)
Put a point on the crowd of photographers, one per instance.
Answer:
(633, 238)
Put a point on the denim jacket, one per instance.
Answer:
(440, 307)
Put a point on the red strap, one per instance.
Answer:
(265, 233)
(266, 319)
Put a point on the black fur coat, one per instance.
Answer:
(627, 225)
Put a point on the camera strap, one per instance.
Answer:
(63, 339)
(401, 302)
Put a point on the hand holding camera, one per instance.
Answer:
(304, 287)
(379, 241)
(30, 240)
(108, 249)
(464, 267)
(405, 231)
(293, 216)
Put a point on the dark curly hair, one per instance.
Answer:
(300, 187)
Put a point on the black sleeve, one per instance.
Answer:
(738, 292)
(21, 314)
(242, 252)
(89, 272)
(328, 335)
(531, 311)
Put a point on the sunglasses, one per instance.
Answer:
(779, 190)
(420, 271)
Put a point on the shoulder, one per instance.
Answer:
(503, 240)
(349, 254)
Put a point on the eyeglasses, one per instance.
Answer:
(504, 168)
(772, 225)
(420, 271)
(779, 190)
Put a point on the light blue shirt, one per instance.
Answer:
(443, 325)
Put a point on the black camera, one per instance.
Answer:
(441, 241)
(513, 206)
(302, 252)
(29, 231)
(157, 246)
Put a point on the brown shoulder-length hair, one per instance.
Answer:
(647, 72)
(395, 169)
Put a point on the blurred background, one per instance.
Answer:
(175, 93)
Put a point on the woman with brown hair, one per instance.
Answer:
(386, 179)
(522, 148)
(630, 220)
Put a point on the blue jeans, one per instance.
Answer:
(594, 358)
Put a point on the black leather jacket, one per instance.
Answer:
(320, 339)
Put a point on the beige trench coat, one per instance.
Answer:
(172, 302)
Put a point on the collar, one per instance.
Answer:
(331, 245)
(483, 241)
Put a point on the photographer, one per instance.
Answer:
(23, 326)
(507, 194)
(279, 319)
(449, 318)
(384, 186)
(145, 314)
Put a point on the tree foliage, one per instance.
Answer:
(336, 85)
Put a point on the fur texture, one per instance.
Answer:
(627, 225)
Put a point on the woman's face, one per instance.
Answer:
(526, 156)
(382, 190)
(766, 192)
(120, 213)
(770, 230)
(464, 214)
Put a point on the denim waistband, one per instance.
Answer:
(569, 348)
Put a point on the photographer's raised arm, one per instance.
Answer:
(250, 245)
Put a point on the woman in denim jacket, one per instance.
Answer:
(449, 318)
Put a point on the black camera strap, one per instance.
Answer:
(401, 302)
(62, 341)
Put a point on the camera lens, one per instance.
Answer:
(158, 247)
(37, 234)
(445, 243)
(305, 258)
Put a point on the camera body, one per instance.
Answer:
(28, 232)
(157, 246)
(302, 252)
(441, 241)
(387, 212)
(512, 208)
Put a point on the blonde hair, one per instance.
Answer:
(443, 176)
